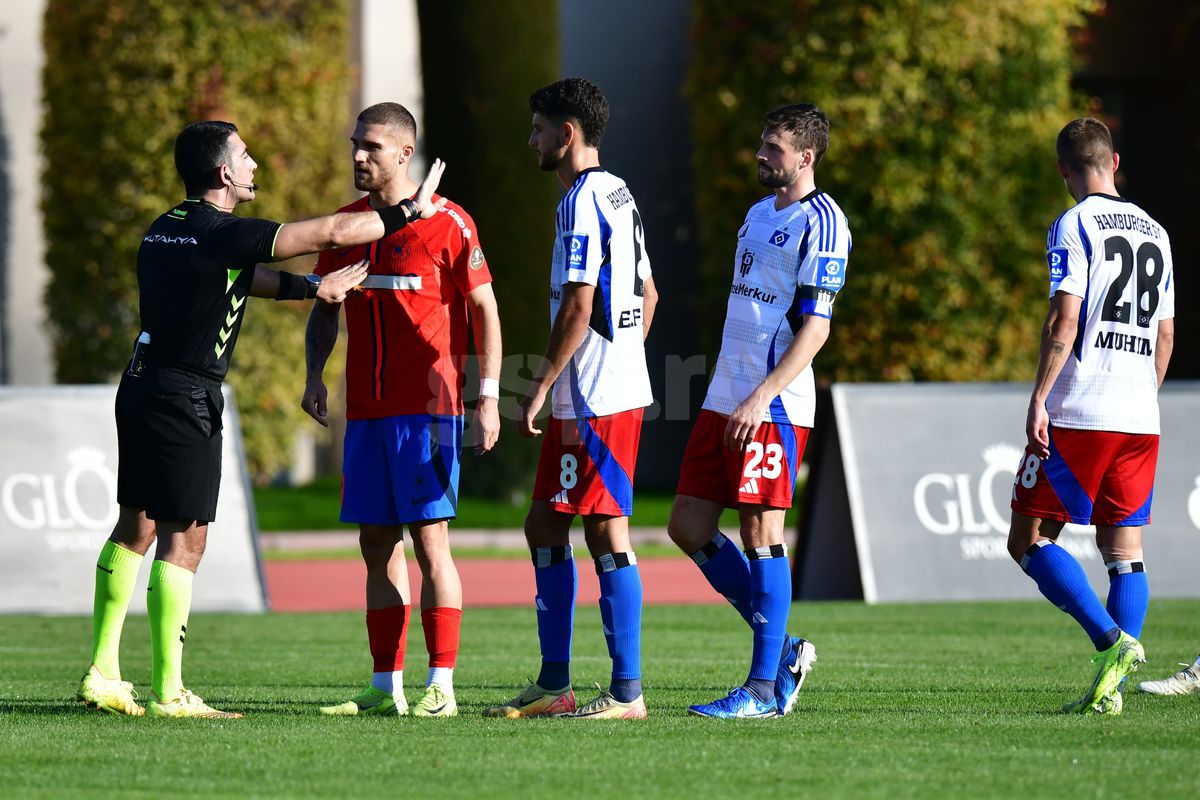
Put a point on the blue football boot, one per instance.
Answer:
(738, 704)
(794, 666)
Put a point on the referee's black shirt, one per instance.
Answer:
(194, 270)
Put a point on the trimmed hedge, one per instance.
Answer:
(122, 77)
(943, 121)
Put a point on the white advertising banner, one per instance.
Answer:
(58, 503)
(920, 476)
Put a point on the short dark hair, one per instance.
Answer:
(1085, 145)
(805, 123)
(392, 115)
(201, 148)
(574, 98)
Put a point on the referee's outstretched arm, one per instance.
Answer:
(347, 229)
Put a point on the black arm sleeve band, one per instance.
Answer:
(394, 217)
(291, 287)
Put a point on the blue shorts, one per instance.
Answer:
(401, 469)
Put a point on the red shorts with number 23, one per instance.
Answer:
(762, 474)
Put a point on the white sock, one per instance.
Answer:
(442, 676)
(390, 682)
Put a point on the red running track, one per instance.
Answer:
(338, 585)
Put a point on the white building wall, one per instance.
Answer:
(391, 61)
(25, 353)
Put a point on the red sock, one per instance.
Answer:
(387, 631)
(441, 627)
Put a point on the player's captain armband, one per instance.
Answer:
(816, 301)
(576, 246)
(831, 272)
(1056, 259)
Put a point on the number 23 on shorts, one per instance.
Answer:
(763, 461)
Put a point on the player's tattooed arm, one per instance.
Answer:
(1058, 334)
(319, 339)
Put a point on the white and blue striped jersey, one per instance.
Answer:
(1112, 254)
(789, 263)
(599, 241)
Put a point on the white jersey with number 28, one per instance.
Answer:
(1112, 254)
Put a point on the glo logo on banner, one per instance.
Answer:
(80, 497)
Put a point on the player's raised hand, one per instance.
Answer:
(487, 424)
(335, 285)
(427, 188)
(530, 405)
(315, 401)
(1037, 429)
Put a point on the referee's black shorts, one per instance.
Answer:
(169, 444)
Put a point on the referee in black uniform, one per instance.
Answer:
(197, 266)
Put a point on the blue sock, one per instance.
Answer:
(770, 601)
(554, 573)
(621, 614)
(727, 570)
(1060, 578)
(1128, 595)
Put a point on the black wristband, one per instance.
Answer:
(397, 216)
(291, 287)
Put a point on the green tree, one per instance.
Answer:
(483, 61)
(943, 120)
(122, 77)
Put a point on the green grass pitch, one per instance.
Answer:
(906, 701)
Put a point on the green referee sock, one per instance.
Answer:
(116, 571)
(168, 602)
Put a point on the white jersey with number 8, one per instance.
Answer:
(599, 240)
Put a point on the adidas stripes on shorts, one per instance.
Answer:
(762, 474)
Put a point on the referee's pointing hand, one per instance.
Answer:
(335, 285)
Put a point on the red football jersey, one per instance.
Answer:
(408, 325)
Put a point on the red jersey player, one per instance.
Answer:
(404, 409)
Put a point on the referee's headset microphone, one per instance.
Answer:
(251, 186)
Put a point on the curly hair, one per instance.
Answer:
(577, 99)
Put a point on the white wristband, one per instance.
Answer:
(489, 387)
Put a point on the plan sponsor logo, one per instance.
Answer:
(576, 246)
(830, 272)
(1056, 258)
